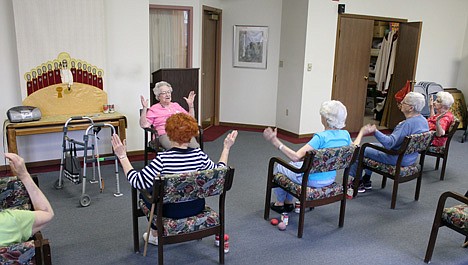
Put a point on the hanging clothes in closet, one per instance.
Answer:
(386, 61)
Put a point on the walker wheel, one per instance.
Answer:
(85, 200)
(57, 185)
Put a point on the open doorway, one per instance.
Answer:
(210, 70)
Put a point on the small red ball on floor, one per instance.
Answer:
(274, 221)
(281, 226)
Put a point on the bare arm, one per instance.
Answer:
(439, 130)
(143, 121)
(270, 135)
(228, 142)
(43, 212)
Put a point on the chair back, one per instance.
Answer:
(193, 185)
(452, 129)
(330, 159)
(419, 142)
(13, 194)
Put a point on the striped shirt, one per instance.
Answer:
(172, 161)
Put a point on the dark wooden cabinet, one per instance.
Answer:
(182, 80)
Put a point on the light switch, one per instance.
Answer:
(309, 67)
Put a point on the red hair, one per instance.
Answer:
(181, 127)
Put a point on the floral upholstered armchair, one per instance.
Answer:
(322, 160)
(415, 143)
(183, 187)
(13, 195)
(454, 217)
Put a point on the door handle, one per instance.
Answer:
(366, 77)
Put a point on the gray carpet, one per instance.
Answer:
(372, 234)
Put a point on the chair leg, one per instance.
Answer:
(342, 212)
(221, 248)
(384, 182)
(300, 229)
(437, 163)
(432, 239)
(442, 172)
(418, 186)
(160, 254)
(266, 213)
(394, 194)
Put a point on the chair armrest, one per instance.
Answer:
(283, 162)
(450, 194)
(148, 197)
(379, 148)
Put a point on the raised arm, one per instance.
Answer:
(143, 121)
(228, 142)
(271, 135)
(43, 212)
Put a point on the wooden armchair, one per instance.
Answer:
(36, 250)
(322, 160)
(182, 187)
(442, 151)
(455, 218)
(416, 143)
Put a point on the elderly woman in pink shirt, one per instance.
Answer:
(157, 114)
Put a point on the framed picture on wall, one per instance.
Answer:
(250, 46)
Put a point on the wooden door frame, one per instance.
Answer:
(219, 12)
(355, 16)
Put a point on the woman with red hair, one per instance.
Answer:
(180, 158)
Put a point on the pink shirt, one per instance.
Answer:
(157, 115)
(444, 122)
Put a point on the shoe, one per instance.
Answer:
(289, 207)
(368, 185)
(282, 209)
(152, 239)
(361, 188)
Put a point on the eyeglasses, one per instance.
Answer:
(165, 92)
(438, 100)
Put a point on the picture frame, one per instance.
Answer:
(250, 46)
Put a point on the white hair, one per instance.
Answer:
(416, 100)
(157, 88)
(334, 113)
(446, 99)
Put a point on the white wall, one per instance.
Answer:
(127, 24)
(291, 73)
(248, 96)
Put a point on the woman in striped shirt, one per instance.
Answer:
(180, 158)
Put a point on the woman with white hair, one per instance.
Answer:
(333, 114)
(157, 115)
(414, 123)
(440, 117)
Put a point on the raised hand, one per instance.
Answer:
(269, 133)
(120, 149)
(191, 98)
(230, 139)
(144, 102)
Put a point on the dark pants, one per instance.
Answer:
(178, 210)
